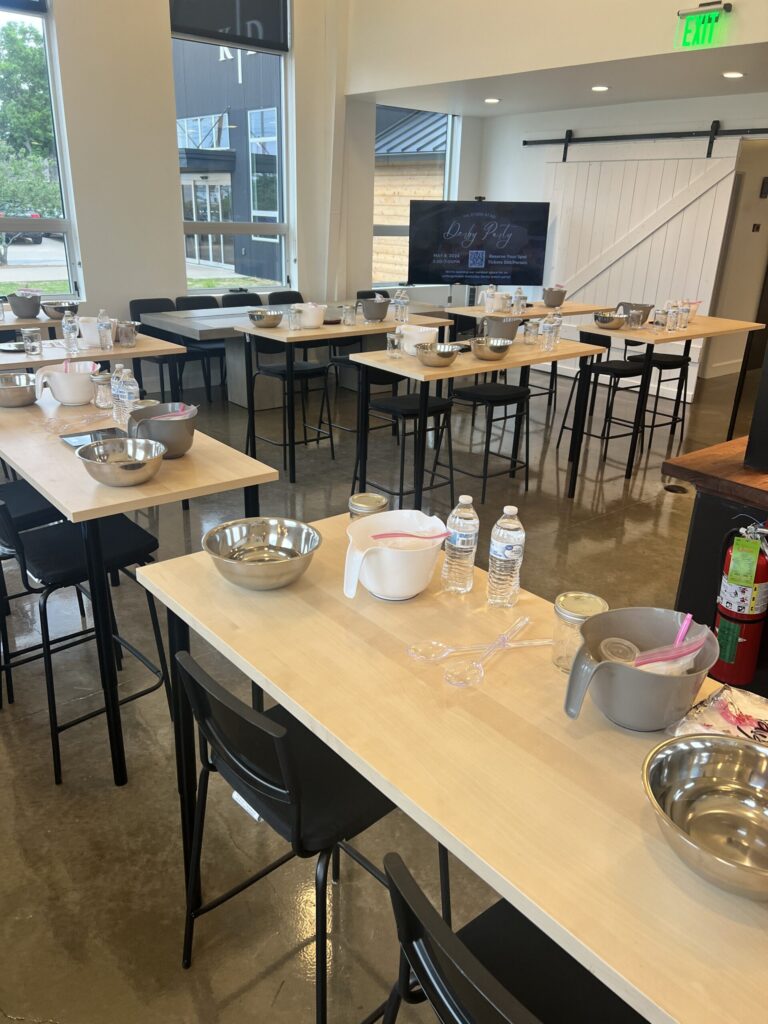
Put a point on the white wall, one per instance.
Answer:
(401, 43)
(115, 73)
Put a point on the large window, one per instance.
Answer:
(36, 249)
(229, 131)
(412, 149)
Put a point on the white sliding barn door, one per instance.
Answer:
(646, 229)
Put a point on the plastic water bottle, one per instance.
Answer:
(104, 327)
(549, 331)
(460, 547)
(518, 302)
(558, 315)
(117, 377)
(404, 300)
(505, 559)
(128, 395)
(69, 331)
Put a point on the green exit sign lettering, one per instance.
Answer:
(700, 30)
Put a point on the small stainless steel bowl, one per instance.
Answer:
(264, 553)
(122, 461)
(16, 389)
(265, 317)
(490, 349)
(56, 310)
(436, 355)
(710, 795)
(611, 321)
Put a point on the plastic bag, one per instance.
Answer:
(728, 711)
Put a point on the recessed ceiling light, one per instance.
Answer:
(733, 74)
(491, 99)
(599, 88)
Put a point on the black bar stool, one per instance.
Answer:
(492, 396)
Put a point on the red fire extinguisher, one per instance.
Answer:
(741, 610)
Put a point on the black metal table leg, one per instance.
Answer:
(363, 398)
(184, 737)
(642, 401)
(251, 500)
(421, 445)
(173, 378)
(525, 376)
(290, 412)
(250, 440)
(740, 383)
(579, 421)
(102, 623)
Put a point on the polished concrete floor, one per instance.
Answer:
(91, 885)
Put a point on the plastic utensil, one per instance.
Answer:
(472, 673)
(683, 631)
(418, 536)
(436, 650)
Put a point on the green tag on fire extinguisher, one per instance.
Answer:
(743, 562)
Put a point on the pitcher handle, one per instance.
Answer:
(40, 378)
(582, 671)
(352, 567)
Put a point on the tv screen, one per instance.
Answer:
(470, 242)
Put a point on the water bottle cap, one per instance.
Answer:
(465, 499)
(510, 510)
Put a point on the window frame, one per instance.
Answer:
(65, 225)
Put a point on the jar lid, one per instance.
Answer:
(576, 607)
(101, 377)
(615, 648)
(368, 502)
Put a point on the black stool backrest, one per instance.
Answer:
(369, 293)
(246, 746)
(139, 306)
(265, 347)
(197, 302)
(241, 299)
(284, 297)
(458, 987)
(587, 338)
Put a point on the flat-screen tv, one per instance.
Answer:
(472, 242)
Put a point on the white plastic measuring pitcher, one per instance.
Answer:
(395, 569)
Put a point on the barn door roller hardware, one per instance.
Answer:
(713, 132)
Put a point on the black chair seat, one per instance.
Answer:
(56, 555)
(407, 406)
(663, 360)
(337, 803)
(614, 368)
(300, 369)
(493, 394)
(539, 973)
(27, 508)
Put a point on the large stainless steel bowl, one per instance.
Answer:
(611, 321)
(710, 795)
(16, 389)
(264, 553)
(490, 349)
(436, 355)
(122, 461)
(265, 317)
(56, 310)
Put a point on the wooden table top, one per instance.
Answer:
(466, 364)
(11, 322)
(331, 332)
(54, 353)
(536, 309)
(720, 470)
(29, 442)
(550, 812)
(699, 327)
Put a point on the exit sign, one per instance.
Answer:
(698, 30)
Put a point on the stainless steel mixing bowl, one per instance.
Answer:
(611, 321)
(16, 389)
(490, 349)
(265, 317)
(122, 461)
(264, 553)
(710, 795)
(436, 355)
(56, 310)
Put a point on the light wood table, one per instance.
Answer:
(534, 310)
(550, 812)
(30, 444)
(327, 334)
(699, 327)
(520, 356)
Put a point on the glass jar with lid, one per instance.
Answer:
(367, 504)
(102, 391)
(571, 610)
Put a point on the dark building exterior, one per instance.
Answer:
(229, 131)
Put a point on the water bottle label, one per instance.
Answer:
(504, 551)
(460, 539)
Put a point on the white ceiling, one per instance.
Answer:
(662, 77)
